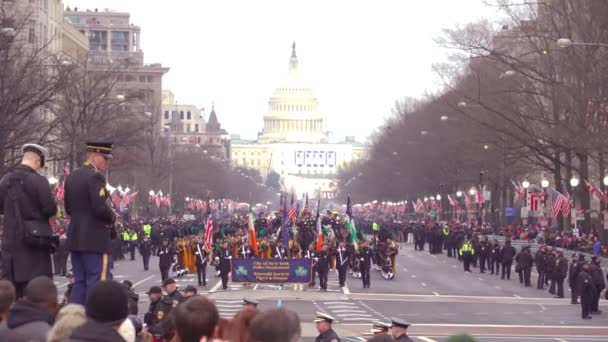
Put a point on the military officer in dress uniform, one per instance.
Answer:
(399, 329)
(312, 255)
(166, 256)
(145, 249)
(159, 310)
(378, 329)
(326, 333)
(91, 226)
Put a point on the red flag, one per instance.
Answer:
(209, 231)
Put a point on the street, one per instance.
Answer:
(430, 291)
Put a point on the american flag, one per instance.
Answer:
(519, 191)
(567, 207)
(467, 201)
(419, 206)
(593, 191)
(452, 201)
(209, 231)
(292, 213)
(557, 202)
(480, 195)
(533, 202)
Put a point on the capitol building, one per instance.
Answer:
(293, 142)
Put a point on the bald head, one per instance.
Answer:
(41, 291)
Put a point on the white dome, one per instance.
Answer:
(293, 110)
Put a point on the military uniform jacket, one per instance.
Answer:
(323, 263)
(166, 256)
(328, 336)
(312, 255)
(86, 201)
(279, 253)
(342, 257)
(225, 259)
(245, 252)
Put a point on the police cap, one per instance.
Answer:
(249, 301)
(398, 322)
(104, 148)
(323, 317)
(41, 151)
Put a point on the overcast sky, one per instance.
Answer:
(360, 56)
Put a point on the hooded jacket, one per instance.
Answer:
(92, 331)
(26, 322)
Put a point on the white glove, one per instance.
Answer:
(230, 257)
(217, 258)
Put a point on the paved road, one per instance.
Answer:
(431, 291)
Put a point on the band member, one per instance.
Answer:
(312, 254)
(280, 252)
(245, 252)
(225, 259)
(342, 260)
(365, 257)
(201, 252)
(166, 255)
(323, 267)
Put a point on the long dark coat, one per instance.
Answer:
(21, 263)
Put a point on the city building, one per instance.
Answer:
(114, 44)
(186, 125)
(293, 142)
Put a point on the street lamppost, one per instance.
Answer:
(544, 184)
(574, 183)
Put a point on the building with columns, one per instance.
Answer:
(293, 142)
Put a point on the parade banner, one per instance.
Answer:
(271, 271)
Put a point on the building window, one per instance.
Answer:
(189, 115)
(98, 40)
(142, 78)
(166, 115)
(32, 32)
(181, 115)
(120, 41)
(195, 128)
(188, 127)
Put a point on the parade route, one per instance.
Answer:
(431, 291)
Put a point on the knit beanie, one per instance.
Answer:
(107, 302)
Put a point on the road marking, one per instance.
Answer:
(404, 269)
(143, 280)
(560, 340)
(423, 284)
(480, 279)
(414, 276)
(425, 339)
(497, 287)
(542, 307)
(339, 303)
(255, 287)
(436, 294)
(216, 286)
(516, 296)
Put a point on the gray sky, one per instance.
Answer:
(360, 56)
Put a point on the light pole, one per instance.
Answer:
(525, 184)
(544, 184)
(574, 184)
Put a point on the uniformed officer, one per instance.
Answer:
(323, 267)
(145, 249)
(249, 302)
(158, 311)
(342, 259)
(201, 253)
(190, 291)
(245, 252)
(378, 329)
(166, 256)
(225, 259)
(170, 287)
(280, 252)
(399, 329)
(312, 255)
(365, 257)
(92, 220)
(326, 333)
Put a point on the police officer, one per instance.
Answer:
(170, 287)
(598, 280)
(202, 255)
(586, 288)
(251, 303)
(399, 329)
(280, 252)
(166, 256)
(312, 255)
(484, 249)
(326, 333)
(245, 252)
(158, 311)
(342, 261)
(91, 226)
(467, 252)
(540, 260)
(133, 244)
(145, 249)
(225, 259)
(365, 258)
(323, 267)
